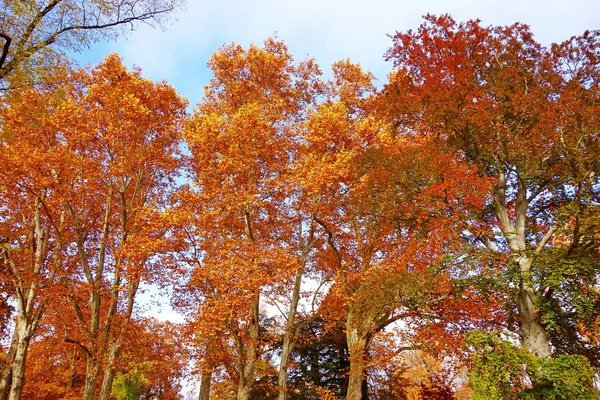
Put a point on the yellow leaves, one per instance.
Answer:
(323, 393)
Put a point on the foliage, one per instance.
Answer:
(321, 363)
(132, 385)
(502, 370)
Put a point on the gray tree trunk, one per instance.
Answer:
(533, 334)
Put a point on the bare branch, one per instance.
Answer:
(7, 42)
(545, 240)
(338, 259)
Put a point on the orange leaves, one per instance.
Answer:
(89, 173)
(246, 228)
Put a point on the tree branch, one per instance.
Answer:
(545, 240)
(78, 343)
(338, 259)
(7, 42)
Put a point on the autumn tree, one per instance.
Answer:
(115, 204)
(55, 369)
(32, 154)
(252, 240)
(76, 181)
(30, 30)
(525, 116)
(389, 205)
(153, 363)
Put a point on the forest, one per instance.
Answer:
(433, 235)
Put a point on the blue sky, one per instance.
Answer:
(328, 30)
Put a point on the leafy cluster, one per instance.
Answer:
(502, 370)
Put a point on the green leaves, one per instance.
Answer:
(503, 371)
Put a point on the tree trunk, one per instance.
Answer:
(357, 345)
(18, 371)
(534, 336)
(6, 377)
(282, 378)
(92, 367)
(248, 352)
(6, 381)
(109, 373)
(289, 338)
(107, 382)
(28, 317)
(244, 392)
(205, 381)
(18, 365)
(91, 377)
(248, 370)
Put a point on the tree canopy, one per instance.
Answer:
(433, 238)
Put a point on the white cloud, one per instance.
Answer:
(327, 30)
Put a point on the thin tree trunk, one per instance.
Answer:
(205, 382)
(248, 370)
(26, 325)
(133, 284)
(248, 352)
(28, 316)
(92, 367)
(24, 329)
(289, 338)
(115, 348)
(95, 281)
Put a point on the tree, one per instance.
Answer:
(33, 218)
(526, 117)
(29, 28)
(252, 240)
(498, 372)
(153, 363)
(115, 205)
(55, 369)
(390, 205)
(76, 181)
(321, 360)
